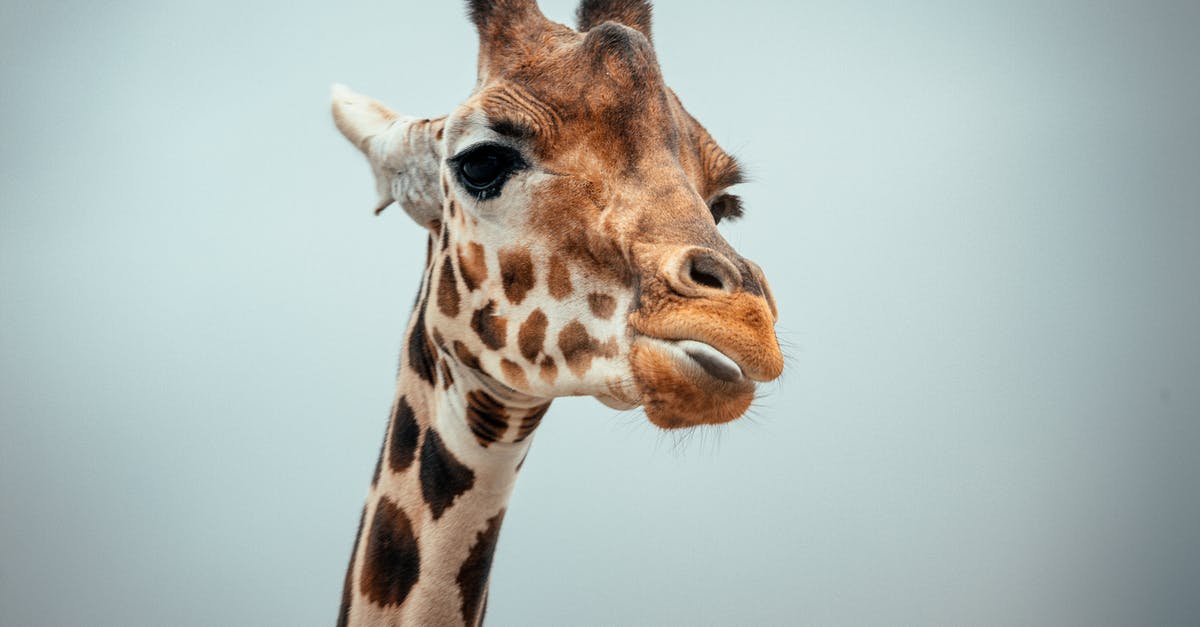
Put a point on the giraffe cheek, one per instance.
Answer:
(579, 348)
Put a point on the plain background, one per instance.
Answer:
(980, 219)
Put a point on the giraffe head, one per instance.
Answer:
(573, 205)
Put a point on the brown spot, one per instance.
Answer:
(532, 335)
(473, 575)
(530, 422)
(490, 328)
(447, 378)
(602, 305)
(443, 477)
(579, 347)
(516, 272)
(549, 370)
(440, 132)
(451, 206)
(348, 583)
(486, 417)
(515, 374)
(465, 355)
(405, 433)
(559, 278)
(379, 462)
(420, 350)
(473, 265)
(392, 562)
(447, 293)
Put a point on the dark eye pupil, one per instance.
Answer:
(482, 168)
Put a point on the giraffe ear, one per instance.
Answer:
(632, 13)
(405, 153)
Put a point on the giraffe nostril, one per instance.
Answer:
(705, 268)
(695, 272)
(705, 278)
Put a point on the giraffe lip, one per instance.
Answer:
(713, 362)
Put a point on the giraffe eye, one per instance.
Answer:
(482, 170)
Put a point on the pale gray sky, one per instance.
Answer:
(980, 220)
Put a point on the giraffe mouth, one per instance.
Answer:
(713, 362)
(684, 383)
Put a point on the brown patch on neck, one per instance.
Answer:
(392, 562)
(443, 477)
(491, 329)
(559, 278)
(421, 353)
(473, 575)
(531, 422)
(473, 264)
(348, 583)
(447, 293)
(602, 305)
(486, 417)
(405, 433)
(579, 347)
(516, 272)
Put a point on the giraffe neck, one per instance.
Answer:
(454, 444)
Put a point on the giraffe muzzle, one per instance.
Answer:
(704, 336)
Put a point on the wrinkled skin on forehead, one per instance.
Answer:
(605, 242)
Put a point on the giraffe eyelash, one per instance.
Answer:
(726, 207)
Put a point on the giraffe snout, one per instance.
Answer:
(702, 294)
(706, 321)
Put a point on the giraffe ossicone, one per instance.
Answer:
(572, 207)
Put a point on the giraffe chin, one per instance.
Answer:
(687, 384)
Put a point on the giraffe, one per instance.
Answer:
(571, 205)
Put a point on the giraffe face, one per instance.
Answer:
(576, 249)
